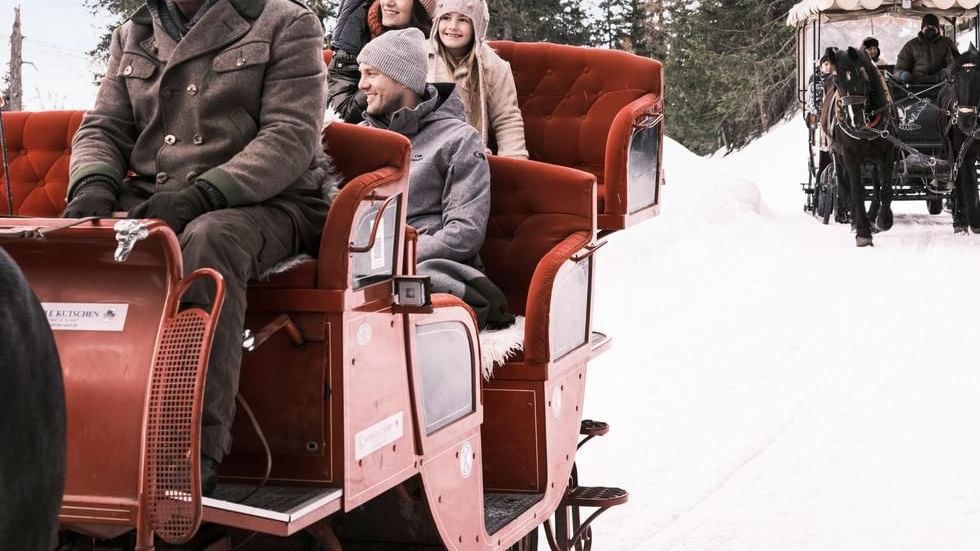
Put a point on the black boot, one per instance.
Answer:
(209, 476)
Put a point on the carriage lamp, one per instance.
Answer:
(413, 291)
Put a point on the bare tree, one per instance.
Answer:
(14, 94)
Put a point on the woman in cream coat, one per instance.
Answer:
(459, 53)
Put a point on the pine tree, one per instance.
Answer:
(560, 21)
(730, 71)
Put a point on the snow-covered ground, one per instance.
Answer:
(773, 387)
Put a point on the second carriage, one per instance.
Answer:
(924, 160)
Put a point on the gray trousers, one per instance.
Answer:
(240, 243)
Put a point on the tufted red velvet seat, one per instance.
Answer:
(39, 147)
(581, 107)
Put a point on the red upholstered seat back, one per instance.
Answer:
(569, 97)
(39, 147)
(534, 208)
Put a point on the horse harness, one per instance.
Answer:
(954, 118)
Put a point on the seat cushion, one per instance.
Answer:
(293, 273)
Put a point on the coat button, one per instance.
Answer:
(240, 62)
(192, 89)
(170, 139)
(162, 178)
(197, 139)
(128, 70)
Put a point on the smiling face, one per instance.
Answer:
(456, 33)
(396, 14)
(384, 94)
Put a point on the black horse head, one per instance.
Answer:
(860, 91)
(964, 89)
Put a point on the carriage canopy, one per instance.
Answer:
(808, 10)
(841, 23)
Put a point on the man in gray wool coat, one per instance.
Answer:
(209, 118)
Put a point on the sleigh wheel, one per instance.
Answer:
(528, 543)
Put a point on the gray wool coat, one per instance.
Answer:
(238, 102)
(449, 180)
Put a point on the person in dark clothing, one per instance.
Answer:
(922, 59)
(816, 90)
(871, 47)
(209, 119)
(359, 21)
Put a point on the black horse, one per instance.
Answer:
(860, 118)
(32, 418)
(959, 101)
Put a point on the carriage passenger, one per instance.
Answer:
(359, 21)
(871, 47)
(449, 180)
(459, 53)
(816, 89)
(923, 59)
(209, 119)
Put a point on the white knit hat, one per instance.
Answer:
(476, 10)
(400, 54)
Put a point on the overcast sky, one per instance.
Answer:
(57, 35)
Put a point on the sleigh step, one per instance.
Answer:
(595, 496)
(593, 428)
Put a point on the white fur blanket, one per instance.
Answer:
(497, 346)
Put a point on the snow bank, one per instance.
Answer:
(761, 397)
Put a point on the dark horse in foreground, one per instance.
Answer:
(32, 418)
(959, 101)
(859, 118)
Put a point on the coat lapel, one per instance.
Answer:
(219, 27)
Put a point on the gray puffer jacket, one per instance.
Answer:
(449, 180)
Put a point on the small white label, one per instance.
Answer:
(556, 402)
(85, 316)
(378, 436)
(364, 334)
(466, 460)
(378, 250)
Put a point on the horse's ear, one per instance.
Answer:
(831, 54)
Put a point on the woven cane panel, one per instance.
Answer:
(174, 500)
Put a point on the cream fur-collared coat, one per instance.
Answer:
(497, 114)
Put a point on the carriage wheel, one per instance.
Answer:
(528, 543)
(935, 206)
(825, 193)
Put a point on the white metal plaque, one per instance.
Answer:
(85, 316)
(379, 435)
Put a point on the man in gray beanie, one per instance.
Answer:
(449, 181)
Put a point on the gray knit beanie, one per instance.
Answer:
(400, 54)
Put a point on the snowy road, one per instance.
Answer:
(773, 387)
